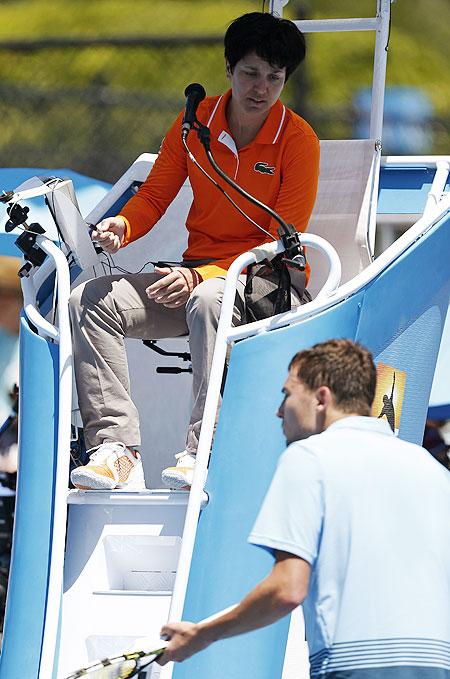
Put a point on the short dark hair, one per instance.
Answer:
(345, 367)
(277, 41)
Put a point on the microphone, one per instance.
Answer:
(194, 94)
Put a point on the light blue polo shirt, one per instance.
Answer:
(371, 514)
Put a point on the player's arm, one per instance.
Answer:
(274, 597)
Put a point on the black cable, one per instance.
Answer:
(204, 136)
(132, 273)
(228, 197)
(389, 30)
(244, 193)
(105, 273)
(110, 263)
(106, 262)
(294, 254)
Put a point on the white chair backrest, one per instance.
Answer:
(341, 214)
(343, 206)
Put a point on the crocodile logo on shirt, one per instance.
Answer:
(264, 168)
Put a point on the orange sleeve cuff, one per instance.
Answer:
(127, 234)
(210, 271)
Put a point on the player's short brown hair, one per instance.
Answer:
(345, 367)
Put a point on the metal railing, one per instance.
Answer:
(61, 335)
(224, 334)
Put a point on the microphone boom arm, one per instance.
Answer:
(294, 254)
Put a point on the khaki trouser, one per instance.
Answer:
(106, 310)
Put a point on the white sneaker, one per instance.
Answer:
(180, 477)
(111, 465)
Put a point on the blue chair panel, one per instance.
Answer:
(403, 317)
(404, 190)
(247, 445)
(27, 591)
(400, 317)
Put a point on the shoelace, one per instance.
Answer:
(105, 449)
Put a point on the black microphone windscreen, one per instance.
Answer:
(197, 89)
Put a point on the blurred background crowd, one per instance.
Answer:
(91, 85)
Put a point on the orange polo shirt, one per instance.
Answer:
(280, 167)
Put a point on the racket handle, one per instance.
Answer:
(143, 644)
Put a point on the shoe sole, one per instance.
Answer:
(86, 481)
(174, 482)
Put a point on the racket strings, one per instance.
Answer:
(121, 667)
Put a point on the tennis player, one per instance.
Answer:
(358, 524)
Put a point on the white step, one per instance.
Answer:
(121, 559)
(111, 624)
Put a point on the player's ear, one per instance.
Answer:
(228, 70)
(324, 397)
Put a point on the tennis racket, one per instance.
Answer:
(120, 666)
(128, 665)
